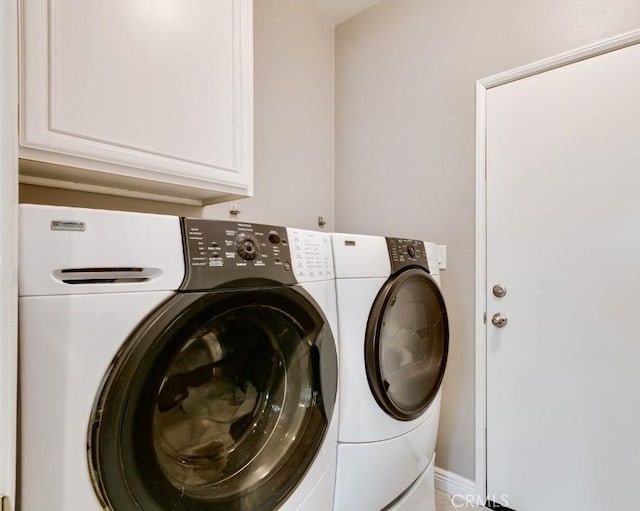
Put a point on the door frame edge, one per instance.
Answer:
(482, 87)
(8, 250)
(480, 296)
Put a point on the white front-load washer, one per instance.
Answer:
(394, 337)
(173, 363)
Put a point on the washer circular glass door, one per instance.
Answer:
(406, 345)
(219, 401)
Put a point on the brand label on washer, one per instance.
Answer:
(66, 225)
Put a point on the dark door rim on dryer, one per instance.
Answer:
(185, 370)
(405, 371)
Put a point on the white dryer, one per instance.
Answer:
(172, 363)
(394, 337)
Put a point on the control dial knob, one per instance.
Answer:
(411, 250)
(246, 246)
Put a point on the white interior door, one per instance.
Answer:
(8, 249)
(563, 238)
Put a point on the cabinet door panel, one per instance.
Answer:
(157, 65)
(158, 90)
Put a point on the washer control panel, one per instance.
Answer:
(219, 252)
(405, 252)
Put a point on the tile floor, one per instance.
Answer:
(444, 502)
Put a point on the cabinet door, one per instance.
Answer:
(153, 95)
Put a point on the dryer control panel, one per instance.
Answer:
(218, 252)
(406, 252)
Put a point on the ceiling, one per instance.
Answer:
(337, 11)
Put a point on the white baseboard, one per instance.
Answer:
(453, 484)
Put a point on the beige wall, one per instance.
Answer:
(294, 138)
(293, 128)
(405, 146)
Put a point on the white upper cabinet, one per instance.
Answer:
(143, 98)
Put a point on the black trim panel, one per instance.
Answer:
(227, 253)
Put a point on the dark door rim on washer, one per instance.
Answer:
(428, 337)
(218, 363)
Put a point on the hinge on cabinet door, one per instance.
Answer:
(484, 318)
(6, 506)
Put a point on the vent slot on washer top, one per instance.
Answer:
(110, 275)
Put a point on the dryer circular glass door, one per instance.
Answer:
(406, 345)
(219, 401)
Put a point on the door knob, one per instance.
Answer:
(499, 320)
